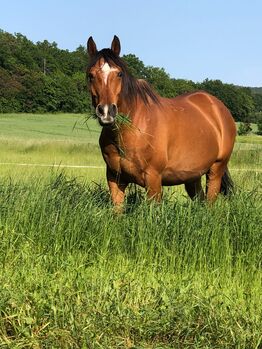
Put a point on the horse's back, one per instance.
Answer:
(208, 105)
(199, 132)
(201, 111)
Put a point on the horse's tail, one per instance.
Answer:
(227, 185)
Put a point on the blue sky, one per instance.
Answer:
(190, 39)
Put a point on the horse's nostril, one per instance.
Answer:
(100, 109)
(112, 110)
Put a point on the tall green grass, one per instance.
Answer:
(179, 274)
(176, 275)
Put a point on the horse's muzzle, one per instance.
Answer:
(106, 113)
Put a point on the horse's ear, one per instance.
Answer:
(91, 47)
(115, 46)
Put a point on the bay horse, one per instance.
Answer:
(168, 141)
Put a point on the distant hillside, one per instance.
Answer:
(257, 90)
(40, 77)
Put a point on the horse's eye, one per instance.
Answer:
(120, 74)
(90, 77)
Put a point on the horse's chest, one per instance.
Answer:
(128, 167)
(112, 161)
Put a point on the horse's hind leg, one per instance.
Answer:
(214, 178)
(195, 190)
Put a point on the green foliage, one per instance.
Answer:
(43, 78)
(160, 80)
(256, 90)
(239, 100)
(259, 124)
(183, 86)
(258, 102)
(26, 85)
(244, 128)
(135, 66)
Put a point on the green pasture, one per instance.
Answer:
(62, 141)
(36, 143)
(179, 274)
(78, 128)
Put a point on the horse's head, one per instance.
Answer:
(104, 74)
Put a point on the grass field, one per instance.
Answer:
(73, 275)
(58, 140)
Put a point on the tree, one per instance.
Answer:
(31, 95)
(244, 128)
(239, 100)
(10, 88)
(160, 80)
(26, 86)
(135, 66)
(259, 124)
(258, 102)
(183, 86)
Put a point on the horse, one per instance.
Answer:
(166, 141)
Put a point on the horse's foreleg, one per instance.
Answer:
(117, 191)
(195, 190)
(153, 186)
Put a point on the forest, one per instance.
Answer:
(40, 77)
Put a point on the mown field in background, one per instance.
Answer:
(73, 275)
(62, 139)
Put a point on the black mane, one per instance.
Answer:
(131, 87)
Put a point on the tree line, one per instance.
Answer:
(40, 77)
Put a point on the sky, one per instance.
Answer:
(190, 39)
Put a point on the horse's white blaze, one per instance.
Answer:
(106, 69)
(105, 109)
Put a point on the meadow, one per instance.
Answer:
(179, 274)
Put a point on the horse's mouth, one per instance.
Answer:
(106, 120)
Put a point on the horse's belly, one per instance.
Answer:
(173, 177)
(176, 173)
(190, 161)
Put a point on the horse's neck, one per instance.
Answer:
(125, 109)
(134, 113)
